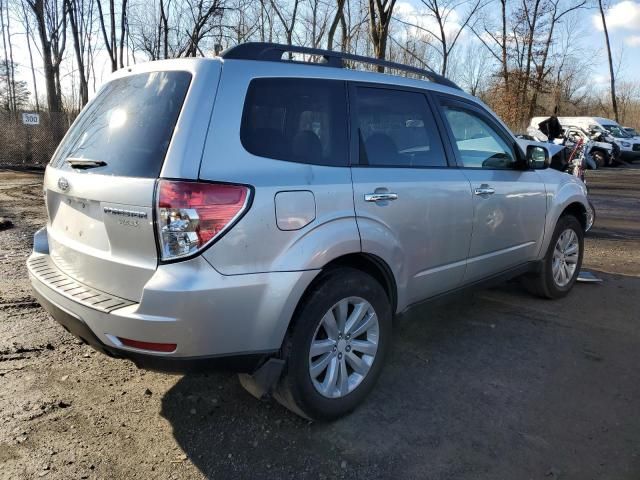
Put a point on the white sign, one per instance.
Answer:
(31, 119)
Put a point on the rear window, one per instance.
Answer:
(297, 120)
(129, 125)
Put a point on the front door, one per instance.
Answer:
(413, 210)
(509, 199)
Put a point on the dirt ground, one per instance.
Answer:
(499, 385)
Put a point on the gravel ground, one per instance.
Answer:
(495, 385)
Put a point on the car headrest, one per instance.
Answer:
(381, 149)
(306, 144)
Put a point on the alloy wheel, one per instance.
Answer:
(565, 257)
(344, 347)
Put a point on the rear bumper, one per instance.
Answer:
(75, 326)
(229, 322)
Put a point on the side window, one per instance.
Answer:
(396, 129)
(297, 120)
(479, 145)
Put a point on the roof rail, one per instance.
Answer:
(272, 52)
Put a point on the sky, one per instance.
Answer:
(623, 22)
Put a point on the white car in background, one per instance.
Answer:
(629, 145)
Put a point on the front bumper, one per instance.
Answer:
(217, 321)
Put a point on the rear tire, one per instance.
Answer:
(562, 262)
(337, 375)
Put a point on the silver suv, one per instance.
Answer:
(272, 215)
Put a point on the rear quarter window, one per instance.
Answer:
(296, 120)
(128, 125)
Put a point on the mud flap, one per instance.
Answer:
(261, 383)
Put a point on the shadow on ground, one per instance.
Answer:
(498, 385)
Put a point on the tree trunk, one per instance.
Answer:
(74, 20)
(27, 26)
(503, 45)
(123, 30)
(7, 67)
(54, 102)
(529, 60)
(380, 12)
(114, 47)
(614, 102)
(12, 65)
(108, 45)
(165, 29)
(334, 24)
(443, 41)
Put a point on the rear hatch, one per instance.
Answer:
(100, 184)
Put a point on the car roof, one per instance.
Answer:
(300, 69)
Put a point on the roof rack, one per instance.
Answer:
(272, 52)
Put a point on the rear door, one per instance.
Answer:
(412, 209)
(100, 184)
(509, 199)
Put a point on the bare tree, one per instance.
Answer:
(178, 29)
(440, 11)
(316, 18)
(614, 102)
(111, 43)
(52, 30)
(27, 28)
(476, 68)
(542, 69)
(288, 25)
(9, 65)
(202, 14)
(497, 40)
(338, 19)
(531, 15)
(163, 28)
(380, 14)
(241, 22)
(80, 14)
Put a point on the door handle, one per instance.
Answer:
(484, 190)
(380, 197)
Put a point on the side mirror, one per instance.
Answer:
(538, 157)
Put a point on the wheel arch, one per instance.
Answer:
(365, 262)
(577, 210)
(371, 265)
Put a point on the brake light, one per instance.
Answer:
(191, 214)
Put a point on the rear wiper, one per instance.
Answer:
(84, 163)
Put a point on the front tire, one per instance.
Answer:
(600, 158)
(336, 347)
(561, 265)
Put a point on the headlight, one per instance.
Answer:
(625, 144)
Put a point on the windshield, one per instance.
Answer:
(617, 131)
(127, 128)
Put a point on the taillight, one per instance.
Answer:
(192, 214)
